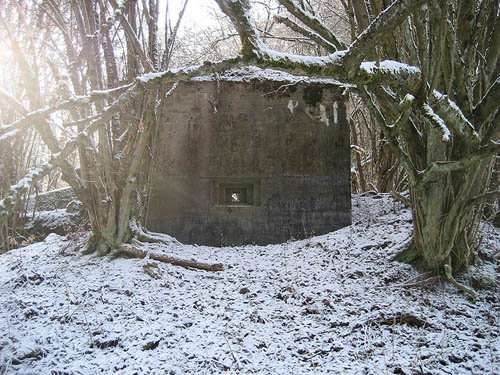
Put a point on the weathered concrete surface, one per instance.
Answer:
(286, 146)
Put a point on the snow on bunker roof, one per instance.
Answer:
(252, 73)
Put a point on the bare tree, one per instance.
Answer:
(105, 46)
(20, 150)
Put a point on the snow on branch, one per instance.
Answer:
(145, 78)
(388, 70)
(9, 134)
(283, 58)
(18, 190)
(437, 122)
(389, 66)
(25, 121)
(454, 117)
(98, 94)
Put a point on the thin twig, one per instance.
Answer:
(232, 353)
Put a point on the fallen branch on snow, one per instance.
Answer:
(401, 318)
(138, 253)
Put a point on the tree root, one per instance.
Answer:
(449, 275)
(142, 234)
(138, 253)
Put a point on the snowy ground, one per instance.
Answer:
(333, 304)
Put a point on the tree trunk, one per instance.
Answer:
(445, 221)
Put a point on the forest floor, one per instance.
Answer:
(331, 304)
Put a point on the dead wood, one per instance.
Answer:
(138, 253)
(152, 270)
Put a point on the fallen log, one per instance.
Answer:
(138, 253)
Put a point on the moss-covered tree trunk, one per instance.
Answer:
(436, 131)
(112, 205)
(445, 222)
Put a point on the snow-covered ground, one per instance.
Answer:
(332, 304)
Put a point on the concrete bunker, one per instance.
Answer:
(251, 156)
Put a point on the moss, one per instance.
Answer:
(408, 254)
(313, 95)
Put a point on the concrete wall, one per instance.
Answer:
(282, 151)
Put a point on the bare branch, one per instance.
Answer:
(148, 66)
(18, 106)
(239, 13)
(30, 118)
(303, 31)
(487, 197)
(488, 104)
(390, 135)
(439, 167)
(385, 23)
(454, 118)
(313, 23)
(170, 42)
